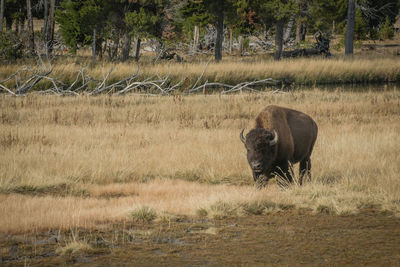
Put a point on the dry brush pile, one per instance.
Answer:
(88, 160)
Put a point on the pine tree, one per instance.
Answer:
(50, 28)
(145, 20)
(78, 19)
(112, 20)
(350, 27)
(31, 40)
(277, 13)
(2, 6)
(386, 31)
(215, 12)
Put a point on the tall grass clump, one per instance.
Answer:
(74, 247)
(144, 214)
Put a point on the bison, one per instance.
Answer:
(281, 137)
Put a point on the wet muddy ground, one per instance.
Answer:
(287, 238)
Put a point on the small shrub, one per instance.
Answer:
(361, 26)
(345, 212)
(339, 45)
(166, 218)
(202, 212)
(246, 43)
(325, 209)
(221, 210)
(11, 47)
(386, 30)
(144, 214)
(74, 247)
(254, 208)
(263, 207)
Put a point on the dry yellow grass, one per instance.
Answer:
(27, 213)
(87, 161)
(235, 70)
(74, 247)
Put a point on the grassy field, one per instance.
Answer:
(152, 180)
(164, 181)
(361, 69)
(85, 162)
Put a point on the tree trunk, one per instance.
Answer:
(31, 36)
(50, 27)
(46, 19)
(100, 48)
(279, 39)
(9, 22)
(94, 47)
(1, 15)
(300, 31)
(240, 45)
(350, 27)
(288, 30)
(220, 33)
(126, 47)
(137, 48)
(230, 40)
(113, 52)
(22, 25)
(17, 23)
(196, 38)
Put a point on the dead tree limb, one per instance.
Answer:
(235, 88)
(83, 83)
(202, 74)
(24, 85)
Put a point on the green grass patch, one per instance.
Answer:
(144, 214)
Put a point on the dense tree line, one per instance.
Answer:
(111, 26)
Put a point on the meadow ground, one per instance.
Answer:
(162, 175)
(287, 238)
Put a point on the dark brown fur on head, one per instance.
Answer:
(260, 153)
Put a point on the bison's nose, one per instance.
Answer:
(255, 165)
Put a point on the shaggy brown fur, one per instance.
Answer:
(296, 136)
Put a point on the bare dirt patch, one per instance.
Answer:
(285, 238)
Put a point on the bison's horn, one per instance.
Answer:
(274, 141)
(242, 137)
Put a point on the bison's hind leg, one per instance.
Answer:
(305, 169)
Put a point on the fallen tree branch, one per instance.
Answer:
(23, 86)
(247, 85)
(202, 74)
(83, 83)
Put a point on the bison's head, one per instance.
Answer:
(261, 151)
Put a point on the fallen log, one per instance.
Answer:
(321, 47)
